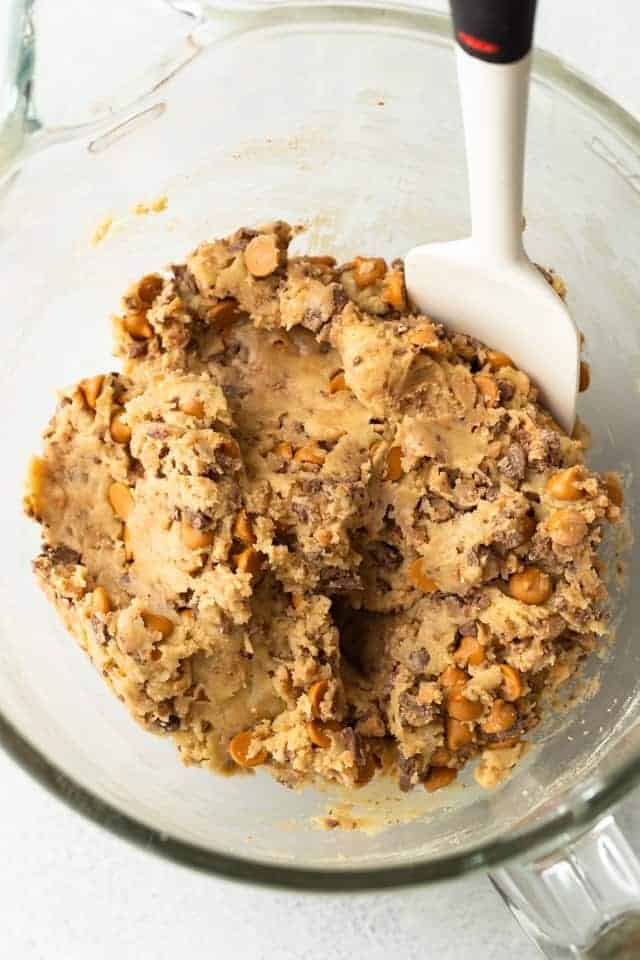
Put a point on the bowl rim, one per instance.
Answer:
(563, 823)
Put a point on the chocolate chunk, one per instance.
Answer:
(513, 464)
(313, 320)
(436, 508)
(158, 432)
(408, 772)
(185, 280)
(506, 390)
(545, 451)
(241, 239)
(138, 349)
(355, 746)
(518, 728)
(197, 519)
(384, 554)
(338, 580)
(477, 555)
(339, 295)
(62, 554)
(100, 631)
(412, 713)
(510, 538)
(300, 511)
(169, 725)
(419, 660)
(224, 460)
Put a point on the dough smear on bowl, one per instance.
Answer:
(306, 528)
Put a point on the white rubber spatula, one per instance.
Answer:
(486, 285)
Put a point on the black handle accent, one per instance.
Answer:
(499, 31)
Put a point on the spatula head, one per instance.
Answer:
(510, 307)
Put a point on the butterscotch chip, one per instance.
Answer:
(243, 529)
(420, 579)
(90, 390)
(120, 431)
(284, 450)
(262, 256)
(101, 601)
(222, 314)
(317, 692)
(128, 544)
(311, 453)
(497, 360)
(34, 487)
(470, 652)
(247, 561)
(585, 376)
(149, 288)
(137, 326)
(322, 261)
(394, 464)
(121, 500)
(337, 383)
(511, 682)
(461, 708)
(317, 734)
(158, 623)
(531, 586)
(242, 751)
(459, 735)
(441, 757)
(425, 337)
(566, 484)
(567, 527)
(368, 270)
(452, 677)
(393, 291)
(195, 539)
(193, 407)
(439, 777)
(502, 716)
(230, 447)
(488, 389)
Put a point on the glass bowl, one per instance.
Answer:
(345, 119)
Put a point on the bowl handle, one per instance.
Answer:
(581, 902)
(24, 131)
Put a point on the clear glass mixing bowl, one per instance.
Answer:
(346, 118)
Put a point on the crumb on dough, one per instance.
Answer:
(157, 205)
(101, 231)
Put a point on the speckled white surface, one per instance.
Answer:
(70, 891)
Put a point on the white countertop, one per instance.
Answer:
(70, 891)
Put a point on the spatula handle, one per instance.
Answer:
(497, 31)
(493, 53)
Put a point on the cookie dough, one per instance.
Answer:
(306, 528)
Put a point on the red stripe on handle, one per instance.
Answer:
(483, 46)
